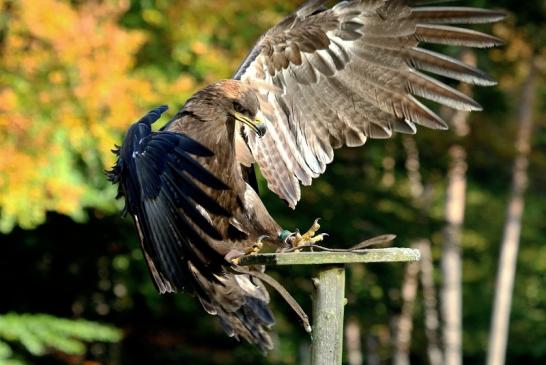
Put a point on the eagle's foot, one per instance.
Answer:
(308, 238)
(234, 256)
(255, 248)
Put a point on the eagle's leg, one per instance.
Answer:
(308, 238)
(234, 256)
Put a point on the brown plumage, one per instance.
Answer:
(321, 79)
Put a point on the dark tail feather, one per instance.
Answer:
(241, 303)
(251, 322)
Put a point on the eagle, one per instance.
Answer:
(322, 78)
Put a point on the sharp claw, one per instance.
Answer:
(234, 257)
(318, 238)
(256, 247)
(309, 236)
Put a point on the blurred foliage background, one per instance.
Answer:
(75, 74)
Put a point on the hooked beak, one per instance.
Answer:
(256, 125)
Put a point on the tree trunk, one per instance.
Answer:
(389, 166)
(372, 345)
(512, 229)
(353, 340)
(422, 200)
(405, 322)
(430, 303)
(413, 169)
(451, 256)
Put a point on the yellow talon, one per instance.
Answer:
(234, 256)
(318, 238)
(255, 248)
(309, 236)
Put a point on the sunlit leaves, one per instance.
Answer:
(67, 92)
(40, 334)
(70, 84)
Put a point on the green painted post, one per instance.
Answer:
(328, 308)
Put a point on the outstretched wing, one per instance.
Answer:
(162, 183)
(335, 77)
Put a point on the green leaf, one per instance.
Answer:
(39, 333)
(5, 351)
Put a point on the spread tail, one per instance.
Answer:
(241, 303)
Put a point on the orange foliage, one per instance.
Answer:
(66, 93)
(70, 85)
(517, 51)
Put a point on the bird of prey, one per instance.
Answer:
(322, 78)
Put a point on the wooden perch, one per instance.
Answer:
(329, 258)
(329, 296)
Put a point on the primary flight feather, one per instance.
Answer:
(323, 78)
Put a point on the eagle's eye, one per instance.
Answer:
(240, 109)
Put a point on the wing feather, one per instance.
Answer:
(453, 36)
(456, 15)
(352, 72)
(163, 184)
